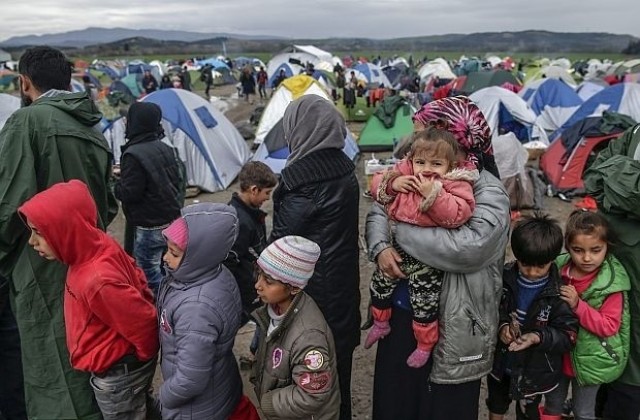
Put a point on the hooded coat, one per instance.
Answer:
(612, 180)
(318, 198)
(108, 307)
(199, 309)
(48, 142)
(151, 184)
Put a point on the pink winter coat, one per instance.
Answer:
(449, 205)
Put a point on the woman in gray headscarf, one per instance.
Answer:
(318, 198)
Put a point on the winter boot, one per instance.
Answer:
(381, 327)
(547, 416)
(426, 336)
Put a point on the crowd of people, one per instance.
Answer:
(84, 324)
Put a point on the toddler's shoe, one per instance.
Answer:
(418, 358)
(380, 330)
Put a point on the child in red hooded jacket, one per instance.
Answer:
(110, 318)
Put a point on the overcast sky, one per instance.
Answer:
(320, 19)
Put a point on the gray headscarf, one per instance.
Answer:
(312, 123)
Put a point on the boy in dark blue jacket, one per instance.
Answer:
(536, 326)
(257, 181)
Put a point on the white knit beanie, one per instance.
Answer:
(290, 259)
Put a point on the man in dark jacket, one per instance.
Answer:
(150, 188)
(185, 78)
(317, 198)
(50, 140)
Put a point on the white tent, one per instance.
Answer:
(289, 90)
(211, 147)
(298, 55)
(8, 105)
(494, 99)
(554, 72)
(438, 67)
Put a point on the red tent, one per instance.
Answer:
(565, 172)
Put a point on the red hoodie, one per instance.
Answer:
(108, 307)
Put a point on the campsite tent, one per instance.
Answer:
(8, 105)
(552, 72)
(292, 88)
(506, 111)
(552, 100)
(274, 150)
(212, 148)
(438, 67)
(566, 159)
(481, 79)
(623, 98)
(376, 136)
(290, 70)
(374, 74)
(565, 172)
(590, 87)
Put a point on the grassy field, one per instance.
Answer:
(417, 55)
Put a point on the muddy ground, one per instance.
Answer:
(239, 112)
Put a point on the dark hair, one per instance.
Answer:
(258, 174)
(435, 142)
(581, 222)
(536, 240)
(46, 67)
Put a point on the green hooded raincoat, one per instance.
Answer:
(50, 141)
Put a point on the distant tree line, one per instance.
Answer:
(633, 48)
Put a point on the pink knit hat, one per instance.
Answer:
(178, 233)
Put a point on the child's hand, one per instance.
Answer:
(505, 334)
(405, 184)
(425, 185)
(570, 295)
(524, 342)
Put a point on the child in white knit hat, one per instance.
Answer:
(295, 372)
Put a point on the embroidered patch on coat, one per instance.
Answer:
(276, 357)
(313, 359)
(164, 322)
(315, 381)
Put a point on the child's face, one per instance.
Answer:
(173, 256)
(587, 253)
(37, 241)
(534, 272)
(428, 163)
(259, 196)
(272, 291)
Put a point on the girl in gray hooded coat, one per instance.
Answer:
(199, 309)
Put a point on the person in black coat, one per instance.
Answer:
(151, 186)
(317, 198)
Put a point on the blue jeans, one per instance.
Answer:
(148, 249)
(12, 406)
(123, 394)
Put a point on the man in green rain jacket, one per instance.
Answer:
(614, 181)
(50, 140)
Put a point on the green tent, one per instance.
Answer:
(481, 79)
(375, 136)
(359, 113)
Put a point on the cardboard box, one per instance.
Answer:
(372, 166)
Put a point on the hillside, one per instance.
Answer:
(117, 41)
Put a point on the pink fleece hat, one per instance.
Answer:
(178, 233)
